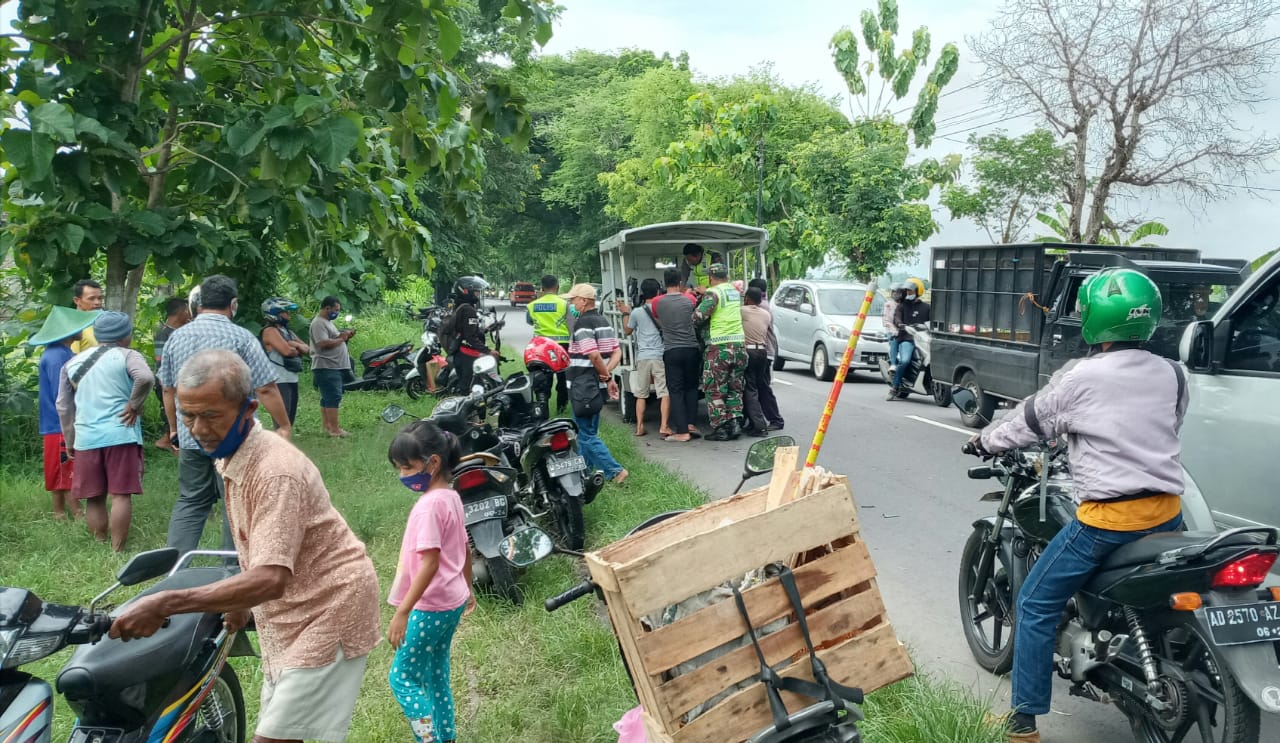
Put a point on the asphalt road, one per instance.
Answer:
(916, 508)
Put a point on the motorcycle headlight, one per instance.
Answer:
(17, 650)
(838, 332)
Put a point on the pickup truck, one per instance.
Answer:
(1004, 317)
(1230, 432)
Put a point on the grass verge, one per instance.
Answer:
(519, 673)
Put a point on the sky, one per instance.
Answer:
(727, 37)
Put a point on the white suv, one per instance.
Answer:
(813, 320)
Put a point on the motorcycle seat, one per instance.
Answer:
(374, 353)
(97, 670)
(1150, 547)
(480, 459)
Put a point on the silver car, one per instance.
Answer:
(813, 320)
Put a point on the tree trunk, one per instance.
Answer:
(1081, 182)
(1097, 210)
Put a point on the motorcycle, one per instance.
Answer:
(384, 368)
(173, 686)
(487, 484)
(1172, 629)
(834, 716)
(415, 381)
(556, 478)
(917, 379)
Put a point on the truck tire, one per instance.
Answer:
(986, 403)
(820, 365)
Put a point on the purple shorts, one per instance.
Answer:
(113, 469)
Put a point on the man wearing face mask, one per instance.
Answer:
(330, 363)
(305, 576)
(199, 486)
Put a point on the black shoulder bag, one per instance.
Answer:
(87, 365)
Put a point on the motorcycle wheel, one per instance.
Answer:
(221, 716)
(569, 521)
(415, 388)
(988, 621)
(1223, 715)
(502, 580)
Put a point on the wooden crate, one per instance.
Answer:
(722, 540)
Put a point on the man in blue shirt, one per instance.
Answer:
(62, 328)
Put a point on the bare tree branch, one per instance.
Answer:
(1148, 91)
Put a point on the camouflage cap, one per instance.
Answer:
(718, 270)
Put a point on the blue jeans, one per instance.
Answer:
(893, 350)
(1067, 563)
(593, 449)
(906, 349)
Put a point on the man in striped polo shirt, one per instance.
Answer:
(593, 355)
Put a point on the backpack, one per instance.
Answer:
(450, 340)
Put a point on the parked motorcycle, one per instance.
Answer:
(173, 686)
(432, 350)
(556, 478)
(1172, 629)
(917, 379)
(415, 382)
(384, 368)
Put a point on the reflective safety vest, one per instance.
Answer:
(726, 319)
(698, 275)
(548, 313)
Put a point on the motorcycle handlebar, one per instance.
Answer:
(569, 596)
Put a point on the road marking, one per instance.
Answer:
(783, 381)
(957, 429)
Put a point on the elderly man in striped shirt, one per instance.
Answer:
(593, 355)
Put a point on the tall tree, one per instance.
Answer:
(1017, 178)
(1148, 92)
(896, 70)
(190, 135)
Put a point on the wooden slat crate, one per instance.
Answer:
(818, 534)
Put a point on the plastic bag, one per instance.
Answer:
(631, 727)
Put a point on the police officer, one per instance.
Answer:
(693, 274)
(549, 316)
(723, 373)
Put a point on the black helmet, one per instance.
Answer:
(469, 289)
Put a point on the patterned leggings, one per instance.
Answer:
(420, 674)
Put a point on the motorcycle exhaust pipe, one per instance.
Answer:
(595, 484)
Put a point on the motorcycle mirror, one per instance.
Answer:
(760, 455)
(392, 413)
(964, 399)
(147, 565)
(527, 546)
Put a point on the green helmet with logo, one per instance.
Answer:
(1118, 304)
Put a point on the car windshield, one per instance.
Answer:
(846, 301)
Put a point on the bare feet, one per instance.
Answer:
(339, 434)
(620, 478)
(641, 431)
(680, 437)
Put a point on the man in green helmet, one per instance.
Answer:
(1120, 410)
(724, 370)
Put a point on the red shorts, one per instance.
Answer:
(57, 468)
(113, 469)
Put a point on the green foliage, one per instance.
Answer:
(1111, 234)
(192, 142)
(1016, 179)
(895, 69)
(865, 201)
(1262, 259)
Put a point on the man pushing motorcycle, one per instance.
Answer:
(1120, 410)
(304, 574)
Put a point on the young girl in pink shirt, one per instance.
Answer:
(432, 587)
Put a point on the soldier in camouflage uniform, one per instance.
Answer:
(723, 373)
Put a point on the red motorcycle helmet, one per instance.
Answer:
(546, 352)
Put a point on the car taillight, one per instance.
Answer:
(559, 441)
(470, 479)
(1247, 572)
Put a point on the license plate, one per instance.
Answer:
(487, 508)
(558, 467)
(1244, 623)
